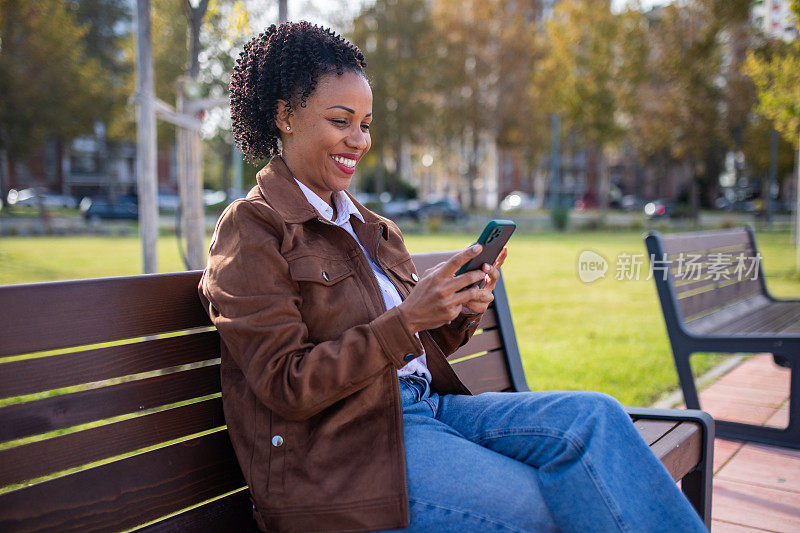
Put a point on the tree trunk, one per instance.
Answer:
(192, 215)
(380, 175)
(797, 203)
(472, 169)
(5, 165)
(605, 183)
(694, 196)
(283, 11)
(195, 16)
(146, 140)
(227, 162)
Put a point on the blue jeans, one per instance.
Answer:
(532, 461)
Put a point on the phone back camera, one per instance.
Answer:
(494, 235)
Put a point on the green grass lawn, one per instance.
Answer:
(607, 335)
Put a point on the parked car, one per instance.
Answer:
(33, 196)
(631, 202)
(104, 209)
(587, 201)
(398, 209)
(519, 200)
(446, 209)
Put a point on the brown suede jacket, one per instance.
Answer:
(310, 359)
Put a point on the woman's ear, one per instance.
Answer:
(282, 117)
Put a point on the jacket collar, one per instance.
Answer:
(277, 186)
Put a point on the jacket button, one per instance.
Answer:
(414, 276)
(277, 440)
(325, 276)
(409, 357)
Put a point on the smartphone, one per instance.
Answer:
(493, 238)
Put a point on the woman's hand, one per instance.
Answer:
(436, 299)
(484, 296)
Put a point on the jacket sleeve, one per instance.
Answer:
(452, 336)
(254, 303)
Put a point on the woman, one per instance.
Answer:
(341, 406)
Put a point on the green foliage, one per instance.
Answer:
(757, 149)
(777, 78)
(49, 85)
(583, 68)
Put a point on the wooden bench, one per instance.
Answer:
(714, 299)
(115, 421)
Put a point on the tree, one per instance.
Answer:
(48, 85)
(588, 75)
(397, 38)
(777, 80)
(679, 115)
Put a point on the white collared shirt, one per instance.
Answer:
(391, 298)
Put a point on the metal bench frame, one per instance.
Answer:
(685, 341)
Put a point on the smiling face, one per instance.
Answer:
(326, 139)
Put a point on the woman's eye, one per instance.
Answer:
(339, 121)
(365, 126)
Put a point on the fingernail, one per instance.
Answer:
(476, 248)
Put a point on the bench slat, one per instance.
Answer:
(488, 372)
(230, 513)
(57, 412)
(704, 240)
(697, 265)
(775, 317)
(680, 449)
(717, 298)
(652, 430)
(48, 456)
(44, 373)
(486, 341)
(489, 318)
(44, 316)
(126, 493)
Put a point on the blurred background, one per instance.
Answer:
(576, 115)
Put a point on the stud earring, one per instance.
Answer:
(288, 128)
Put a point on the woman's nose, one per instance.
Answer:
(358, 139)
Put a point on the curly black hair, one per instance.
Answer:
(283, 63)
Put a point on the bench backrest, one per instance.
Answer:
(110, 404)
(703, 272)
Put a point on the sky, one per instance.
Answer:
(646, 4)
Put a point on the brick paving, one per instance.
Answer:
(756, 487)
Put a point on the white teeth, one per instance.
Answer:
(350, 163)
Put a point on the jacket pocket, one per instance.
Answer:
(329, 296)
(327, 272)
(406, 273)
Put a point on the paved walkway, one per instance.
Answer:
(756, 487)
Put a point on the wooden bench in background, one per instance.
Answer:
(115, 422)
(721, 304)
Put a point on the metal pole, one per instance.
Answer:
(146, 178)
